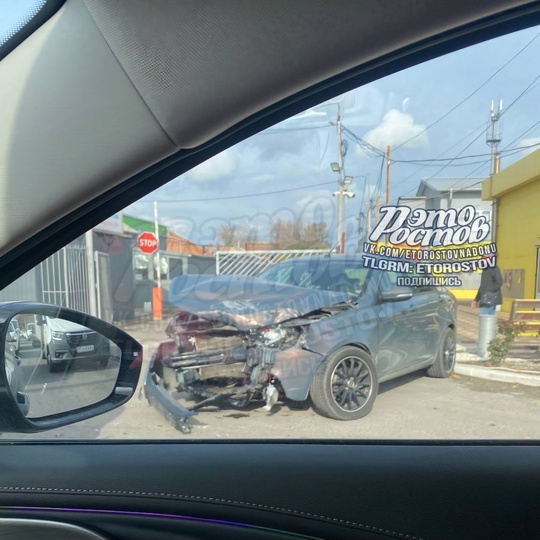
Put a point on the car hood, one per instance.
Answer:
(61, 325)
(247, 302)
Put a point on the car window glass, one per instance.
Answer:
(15, 15)
(246, 277)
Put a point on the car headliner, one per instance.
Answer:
(104, 100)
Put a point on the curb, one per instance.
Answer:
(495, 374)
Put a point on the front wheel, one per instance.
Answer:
(444, 364)
(345, 385)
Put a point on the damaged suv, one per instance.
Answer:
(324, 328)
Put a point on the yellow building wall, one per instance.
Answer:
(518, 234)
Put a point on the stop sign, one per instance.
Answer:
(147, 242)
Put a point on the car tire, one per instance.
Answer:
(345, 385)
(104, 362)
(53, 368)
(444, 364)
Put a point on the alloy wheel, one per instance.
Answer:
(351, 383)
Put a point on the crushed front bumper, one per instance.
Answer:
(169, 407)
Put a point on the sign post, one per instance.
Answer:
(148, 244)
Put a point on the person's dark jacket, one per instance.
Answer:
(491, 281)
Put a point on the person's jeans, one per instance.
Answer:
(487, 310)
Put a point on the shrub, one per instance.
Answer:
(499, 347)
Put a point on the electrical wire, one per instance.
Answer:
(452, 109)
(434, 161)
(242, 196)
(414, 173)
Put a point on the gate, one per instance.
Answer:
(251, 263)
(64, 278)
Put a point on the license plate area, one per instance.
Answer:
(85, 348)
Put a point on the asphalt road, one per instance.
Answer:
(83, 383)
(413, 407)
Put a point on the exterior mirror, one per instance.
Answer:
(68, 366)
(396, 294)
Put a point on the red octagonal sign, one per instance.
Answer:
(147, 242)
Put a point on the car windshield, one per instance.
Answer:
(329, 274)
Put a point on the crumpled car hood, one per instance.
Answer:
(247, 302)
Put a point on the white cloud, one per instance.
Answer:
(220, 166)
(396, 128)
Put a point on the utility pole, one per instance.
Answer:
(387, 175)
(91, 273)
(343, 185)
(368, 219)
(341, 199)
(158, 258)
(157, 292)
(493, 139)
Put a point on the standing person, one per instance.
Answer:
(489, 295)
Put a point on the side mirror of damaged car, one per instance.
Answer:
(78, 367)
(396, 294)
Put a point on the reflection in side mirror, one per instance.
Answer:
(74, 367)
(69, 367)
(397, 294)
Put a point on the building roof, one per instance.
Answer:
(443, 185)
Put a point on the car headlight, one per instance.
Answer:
(59, 336)
(282, 336)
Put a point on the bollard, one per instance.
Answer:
(486, 332)
(157, 303)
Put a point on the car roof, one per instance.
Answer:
(137, 116)
(323, 258)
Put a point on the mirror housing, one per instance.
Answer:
(13, 417)
(397, 294)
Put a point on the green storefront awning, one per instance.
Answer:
(144, 225)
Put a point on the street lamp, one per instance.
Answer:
(335, 167)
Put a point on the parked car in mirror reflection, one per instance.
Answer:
(65, 342)
(324, 328)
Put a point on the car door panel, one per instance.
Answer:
(399, 331)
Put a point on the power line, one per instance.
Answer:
(361, 142)
(453, 159)
(299, 128)
(477, 137)
(527, 131)
(242, 196)
(450, 111)
(433, 161)
(482, 126)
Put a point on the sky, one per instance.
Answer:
(439, 109)
(436, 110)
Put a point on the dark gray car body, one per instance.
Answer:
(401, 336)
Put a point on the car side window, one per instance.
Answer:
(250, 270)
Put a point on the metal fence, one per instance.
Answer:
(64, 278)
(250, 263)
